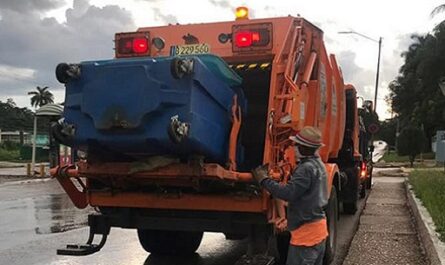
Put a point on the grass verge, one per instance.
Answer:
(429, 187)
(394, 157)
(9, 155)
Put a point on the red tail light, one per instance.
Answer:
(132, 44)
(252, 37)
(363, 170)
(243, 39)
(140, 45)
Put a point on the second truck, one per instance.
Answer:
(168, 131)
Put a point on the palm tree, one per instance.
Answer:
(41, 97)
(437, 10)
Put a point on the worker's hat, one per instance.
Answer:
(308, 136)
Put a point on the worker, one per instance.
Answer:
(306, 196)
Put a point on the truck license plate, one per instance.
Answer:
(200, 48)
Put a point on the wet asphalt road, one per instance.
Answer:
(37, 218)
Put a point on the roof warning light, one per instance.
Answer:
(242, 12)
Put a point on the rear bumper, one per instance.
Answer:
(177, 220)
(178, 201)
(118, 177)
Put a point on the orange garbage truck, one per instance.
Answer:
(168, 131)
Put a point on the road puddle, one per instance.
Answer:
(56, 213)
(25, 219)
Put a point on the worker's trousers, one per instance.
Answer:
(300, 255)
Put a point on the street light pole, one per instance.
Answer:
(377, 75)
(378, 61)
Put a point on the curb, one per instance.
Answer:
(342, 252)
(434, 248)
(25, 181)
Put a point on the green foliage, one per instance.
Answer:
(387, 132)
(430, 156)
(13, 118)
(10, 146)
(439, 9)
(394, 157)
(429, 187)
(41, 97)
(410, 142)
(9, 155)
(415, 95)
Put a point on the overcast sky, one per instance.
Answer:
(38, 34)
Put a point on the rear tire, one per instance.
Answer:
(350, 207)
(351, 191)
(363, 190)
(332, 220)
(169, 242)
(369, 181)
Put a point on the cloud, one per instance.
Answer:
(223, 3)
(362, 79)
(226, 5)
(38, 44)
(9, 72)
(168, 19)
(26, 6)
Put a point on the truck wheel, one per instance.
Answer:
(363, 189)
(332, 219)
(169, 242)
(350, 205)
(368, 182)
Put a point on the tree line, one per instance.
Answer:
(415, 96)
(13, 118)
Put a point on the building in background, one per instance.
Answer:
(15, 137)
(438, 146)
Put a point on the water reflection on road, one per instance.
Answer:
(38, 217)
(123, 248)
(56, 213)
(23, 217)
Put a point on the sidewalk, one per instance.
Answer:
(386, 234)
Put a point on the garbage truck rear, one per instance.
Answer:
(168, 131)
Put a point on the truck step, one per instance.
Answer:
(79, 250)
(98, 226)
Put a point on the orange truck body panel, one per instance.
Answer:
(306, 88)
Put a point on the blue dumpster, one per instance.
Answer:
(140, 107)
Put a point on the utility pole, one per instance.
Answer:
(378, 61)
(377, 75)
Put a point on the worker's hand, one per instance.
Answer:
(281, 224)
(260, 173)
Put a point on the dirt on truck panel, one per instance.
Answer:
(204, 104)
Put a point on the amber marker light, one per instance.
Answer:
(242, 12)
